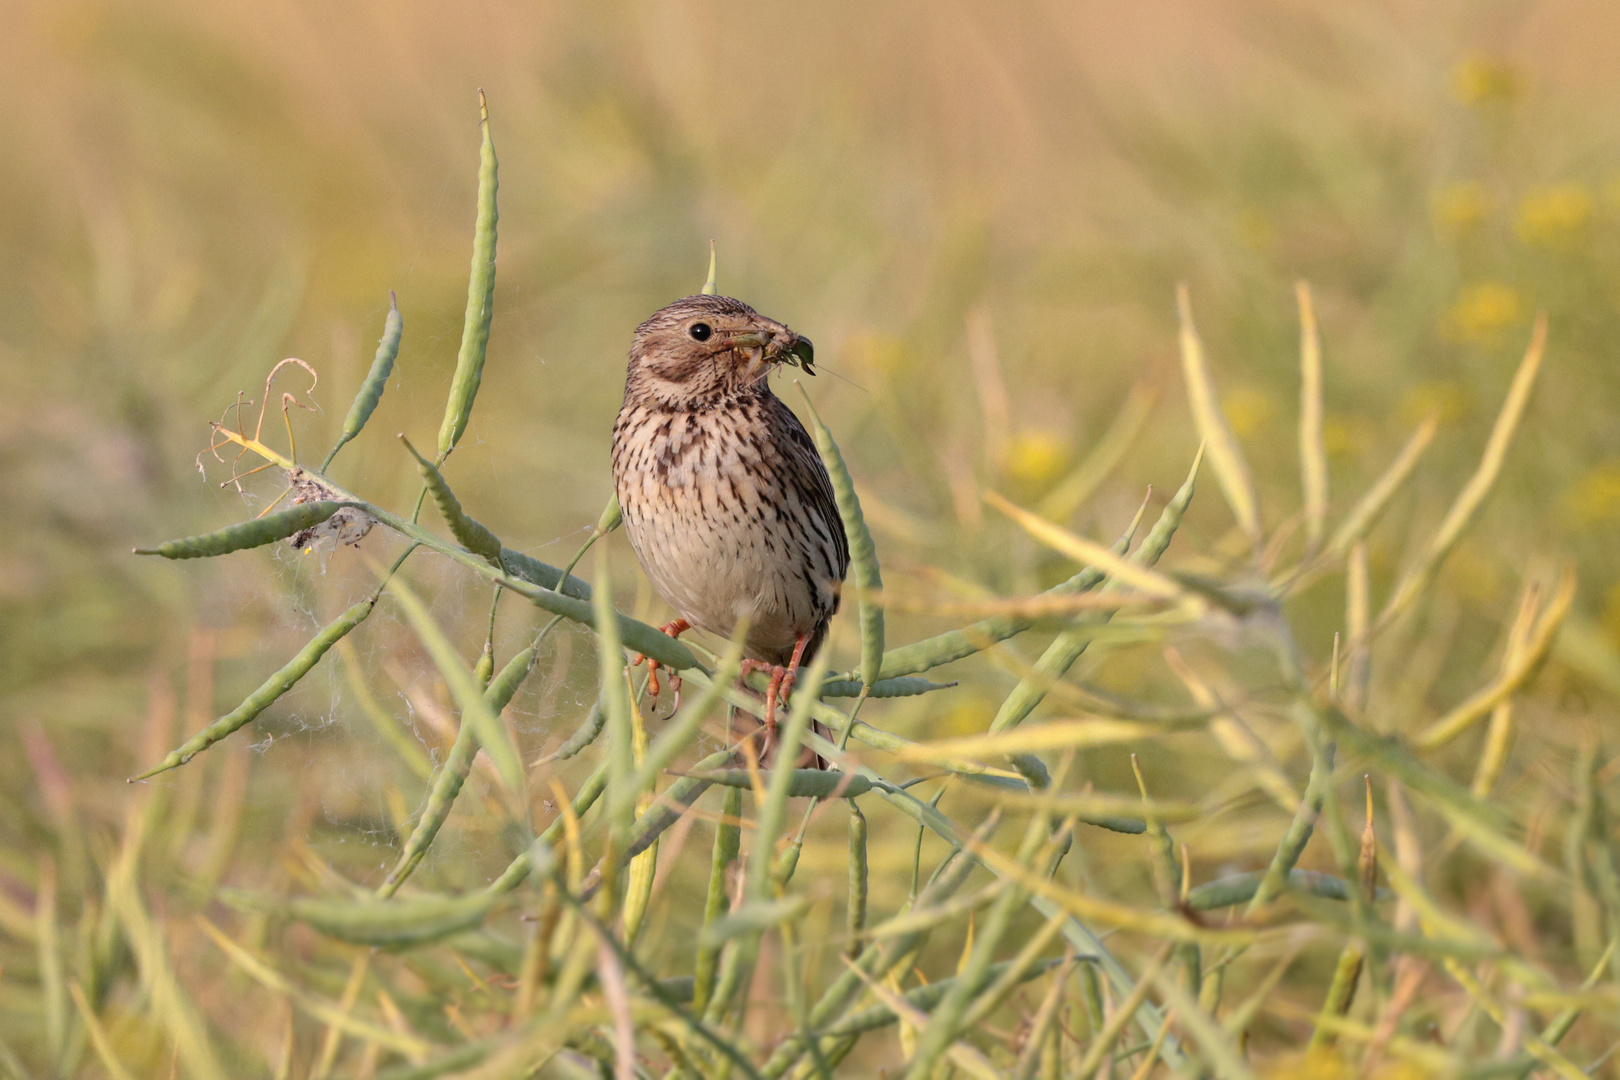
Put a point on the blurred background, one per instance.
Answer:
(978, 212)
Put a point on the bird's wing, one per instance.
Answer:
(813, 484)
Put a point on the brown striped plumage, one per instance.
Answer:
(726, 503)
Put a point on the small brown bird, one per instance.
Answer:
(726, 502)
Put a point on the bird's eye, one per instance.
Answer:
(700, 331)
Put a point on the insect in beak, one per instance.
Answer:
(752, 339)
(801, 353)
(805, 353)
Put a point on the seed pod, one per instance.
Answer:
(469, 533)
(709, 286)
(637, 636)
(371, 391)
(805, 783)
(1240, 888)
(757, 916)
(447, 784)
(1066, 648)
(480, 295)
(671, 804)
(883, 688)
(248, 534)
(644, 866)
(862, 552)
(956, 644)
(727, 842)
(588, 730)
(415, 920)
(612, 516)
(464, 689)
(855, 921)
(273, 687)
(543, 574)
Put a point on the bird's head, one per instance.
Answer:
(705, 349)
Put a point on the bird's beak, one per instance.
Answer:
(778, 348)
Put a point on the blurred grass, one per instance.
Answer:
(962, 209)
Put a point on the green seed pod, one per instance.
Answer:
(1240, 888)
(469, 533)
(273, 687)
(1067, 647)
(371, 391)
(727, 842)
(248, 534)
(710, 288)
(862, 552)
(757, 916)
(637, 636)
(543, 574)
(883, 688)
(587, 733)
(504, 687)
(480, 295)
(416, 920)
(612, 517)
(855, 920)
(671, 804)
(464, 689)
(805, 783)
(447, 784)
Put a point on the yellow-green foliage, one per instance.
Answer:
(1298, 768)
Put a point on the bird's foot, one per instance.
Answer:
(780, 686)
(674, 629)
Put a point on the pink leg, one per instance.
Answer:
(674, 629)
(781, 684)
(791, 675)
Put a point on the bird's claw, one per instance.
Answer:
(674, 629)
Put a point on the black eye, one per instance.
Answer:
(700, 331)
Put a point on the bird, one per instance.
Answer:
(726, 503)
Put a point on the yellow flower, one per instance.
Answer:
(1035, 457)
(1553, 215)
(1594, 498)
(1248, 411)
(1461, 208)
(1487, 80)
(1483, 311)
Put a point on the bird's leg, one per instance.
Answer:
(791, 675)
(781, 684)
(674, 629)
